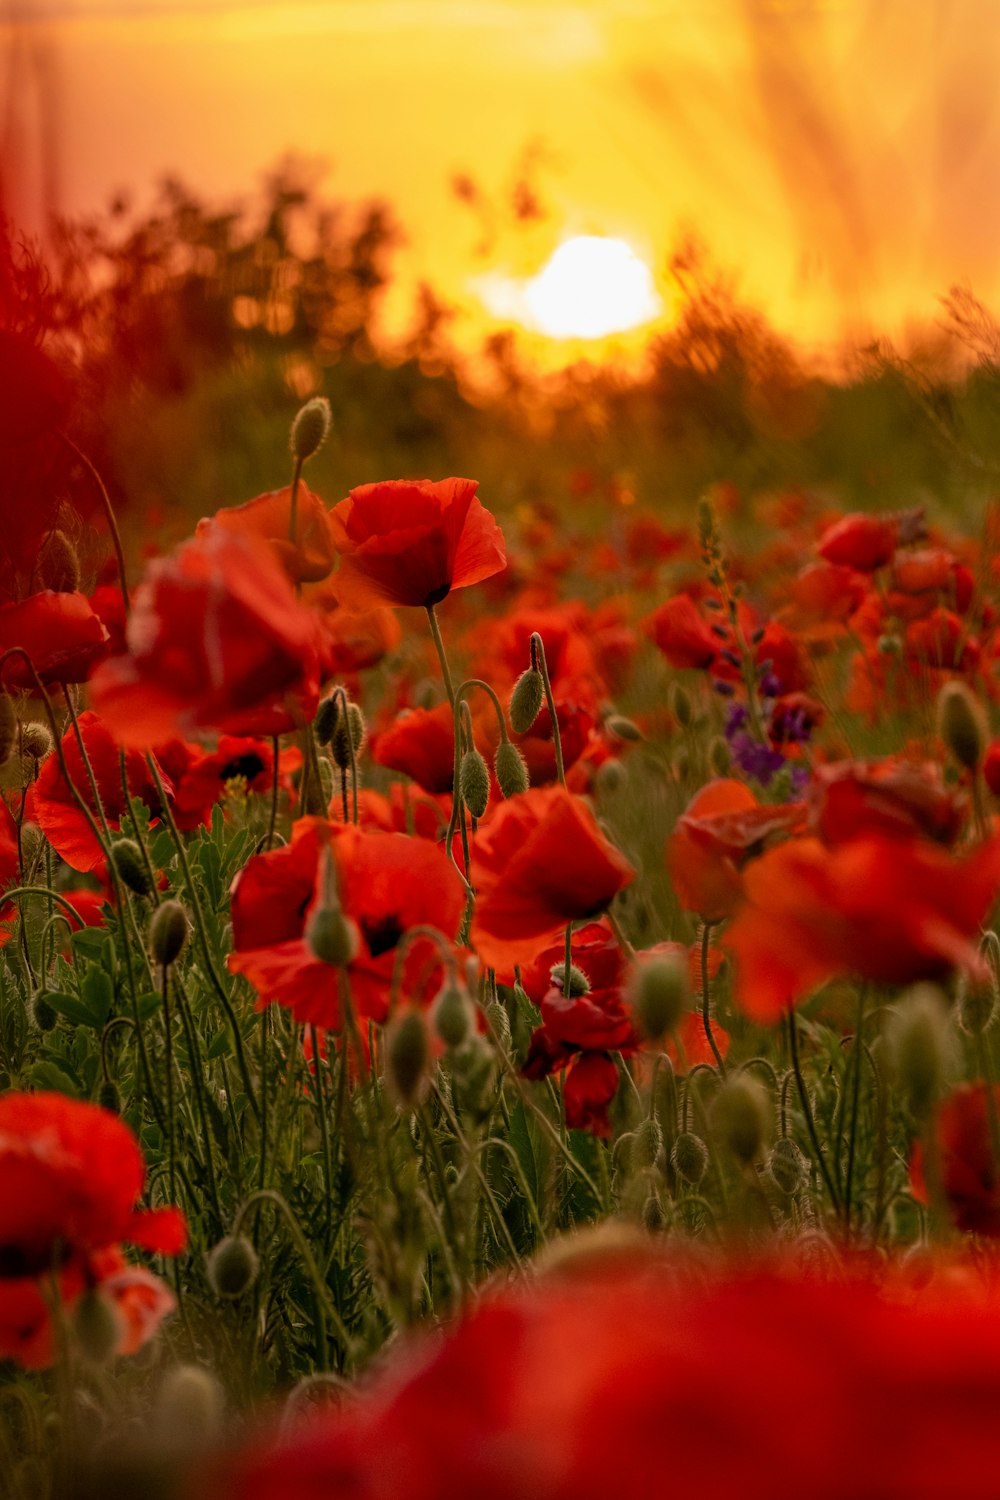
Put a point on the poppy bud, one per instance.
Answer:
(232, 1266)
(719, 757)
(511, 769)
(42, 1013)
(128, 861)
(622, 728)
(109, 1098)
(499, 1024)
(58, 564)
(98, 1326)
(579, 984)
(310, 428)
(331, 937)
(787, 1167)
(977, 1004)
(526, 700)
(740, 1118)
(647, 1143)
(679, 702)
(919, 1046)
(36, 740)
(610, 777)
(473, 1068)
(189, 1407)
(653, 1217)
(8, 727)
(888, 645)
(407, 1058)
(168, 932)
(451, 1014)
(349, 731)
(659, 994)
(474, 781)
(326, 718)
(621, 1154)
(962, 724)
(689, 1158)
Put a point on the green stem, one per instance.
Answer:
(109, 512)
(706, 999)
(793, 1041)
(442, 657)
(538, 661)
(858, 1059)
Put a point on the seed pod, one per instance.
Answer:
(407, 1058)
(787, 1168)
(350, 729)
(689, 1157)
(8, 727)
(36, 740)
(58, 564)
(451, 1014)
(526, 700)
(131, 867)
(474, 782)
(740, 1118)
(511, 769)
(232, 1267)
(622, 728)
(310, 428)
(331, 937)
(660, 995)
(98, 1326)
(962, 724)
(168, 932)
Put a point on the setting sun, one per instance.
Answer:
(591, 286)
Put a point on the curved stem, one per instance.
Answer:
(706, 999)
(442, 657)
(793, 1041)
(109, 513)
(538, 659)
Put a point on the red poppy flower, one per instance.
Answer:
(889, 909)
(860, 541)
(387, 884)
(941, 639)
(826, 591)
(351, 641)
(200, 777)
(55, 809)
(970, 1178)
(684, 637)
(70, 1174)
(60, 632)
(217, 640)
(723, 826)
(991, 767)
(34, 396)
(307, 559)
(421, 743)
(591, 1084)
(892, 797)
(540, 863)
(411, 541)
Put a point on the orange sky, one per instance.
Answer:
(840, 157)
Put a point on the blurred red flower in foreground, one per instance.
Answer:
(387, 883)
(307, 559)
(217, 640)
(540, 863)
(722, 828)
(889, 909)
(970, 1177)
(623, 1373)
(60, 632)
(411, 541)
(70, 1174)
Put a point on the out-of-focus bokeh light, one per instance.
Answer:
(589, 287)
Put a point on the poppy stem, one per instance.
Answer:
(706, 1000)
(109, 513)
(857, 1059)
(169, 1055)
(538, 654)
(793, 1042)
(294, 500)
(442, 657)
(272, 822)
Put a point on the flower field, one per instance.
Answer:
(494, 1001)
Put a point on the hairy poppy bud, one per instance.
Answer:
(526, 700)
(622, 728)
(58, 564)
(451, 1014)
(579, 984)
(499, 1024)
(407, 1058)
(962, 724)
(919, 1046)
(610, 777)
(689, 1157)
(348, 736)
(8, 727)
(168, 932)
(977, 1004)
(310, 428)
(787, 1167)
(42, 1013)
(36, 740)
(98, 1326)
(473, 1068)
(679, 702)
(232, 1266)
(331, 937)
(474, 781)
(647, 1143)
(659, 994)
(740, 1118)
(189, 1407)
(719, 758)
(128, 861)
(326, 718)
(621, 1154)
(653, 1217)
(109, 1098)
(511, 769)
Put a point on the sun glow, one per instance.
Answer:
(591, 286)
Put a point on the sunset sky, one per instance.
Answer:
(841, 158)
